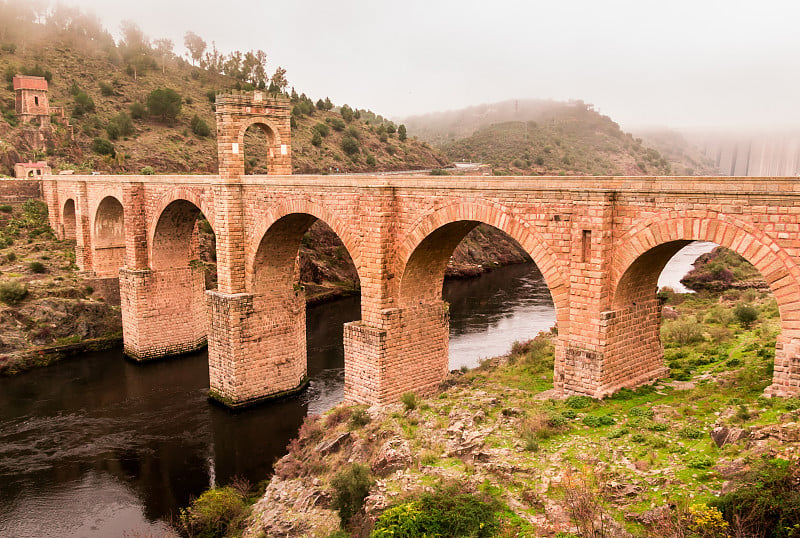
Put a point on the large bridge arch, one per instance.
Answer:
(418, 256)
(641, 255)
(274, 243)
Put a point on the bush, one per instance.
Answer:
(106, 89)
(409, 400)
(578, 402)
(101, 146)
(212, 512)
(138, 111)
(347, 113)
(336, 123)
(37, 267)
(359, 418)
(164, 103)
(439, 172)
(447, 512)
(121, 125)
(401, 133)
(5, 208)
(83, 104)
(350, 145)
(766, 501)
(11, 256)
(147, 171)
(12, 293)
(199, 126)
(597, 422)
(322, 129)
(353, 132)
(682, 331)
(316, 139)
(350, 487)
(746, 314)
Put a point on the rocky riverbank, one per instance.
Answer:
(674, 459)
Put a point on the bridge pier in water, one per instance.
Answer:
(163, 311)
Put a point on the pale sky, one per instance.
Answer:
(678, 63)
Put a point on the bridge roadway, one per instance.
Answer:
(600, 242)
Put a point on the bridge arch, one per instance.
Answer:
(108, 232)
(644, 251)
(423, 255)
(172, 238)
(276, 240)
(69, 223)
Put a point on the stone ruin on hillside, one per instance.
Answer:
(35, 113)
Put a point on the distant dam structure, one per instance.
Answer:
(754, 156)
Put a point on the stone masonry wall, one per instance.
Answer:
(163, 312)
(584, 234)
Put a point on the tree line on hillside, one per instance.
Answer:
(24, 23)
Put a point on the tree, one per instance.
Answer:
(135, 48)
(164, 103)
(328, 104)
(164, 49)
(195, 45)
(199, 126)
(347, 113)
(279, 79)
(401, 133)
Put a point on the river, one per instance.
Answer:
(99, 445)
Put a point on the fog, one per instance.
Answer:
(685, 64)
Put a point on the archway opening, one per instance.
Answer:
(69, 221)
(713, 315)
(109, 237)
(304, 277)
(259, 141)
(183, 237)
(496, 294)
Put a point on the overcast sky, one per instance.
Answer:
(679, 63)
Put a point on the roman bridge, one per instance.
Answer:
(600, 243)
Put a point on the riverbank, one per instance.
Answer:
(639, 463)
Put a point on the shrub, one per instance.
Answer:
(371, 161)
(122, 123)
(12, 293)
(164, 103)
(212, 512)
(353, 132)
(37, 267)
(578, 402)
(746, 314)
(439, 172)
(138, 111)
(316, 139)
(336, 123)
(102, 146)
(147, 171)
(644, 412)
(5, 208)
(706, 522)
(322, 129)
(401, 133)
(347, 113)
(359, 417)
(350, 487)
(446, 512)
(596, 422)
(106, 89)
(682, 331)
(11, 256)
(350, 145)
(409, 400)
(83, 104)
(199, 126)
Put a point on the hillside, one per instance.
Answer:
(98, 86)
(548, 138)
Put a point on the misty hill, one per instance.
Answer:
(548, 137)
(104, 87)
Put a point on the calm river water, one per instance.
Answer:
(98, 445)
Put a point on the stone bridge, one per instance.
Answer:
(600, 242)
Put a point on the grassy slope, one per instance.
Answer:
(490, 431)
